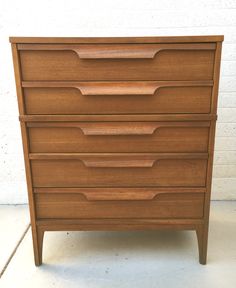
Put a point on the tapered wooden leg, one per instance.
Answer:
(202, 237)
(38, 245)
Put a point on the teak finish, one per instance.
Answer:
(140, 97)
(118, 133)
(122, 63)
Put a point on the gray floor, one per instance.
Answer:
(14, 220)
(119, 259)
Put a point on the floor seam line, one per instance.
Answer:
(14, 250)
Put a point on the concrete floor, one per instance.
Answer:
(14, 220)
(121, 259)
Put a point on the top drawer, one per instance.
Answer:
(117, 61)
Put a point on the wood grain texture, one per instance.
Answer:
(37, 239)
(73, 222)
(117, 88)
(202, 231)
(118, 136)
(120, 224)
(71, 206)
(99, 40)
(133, 193)
(78, 156)
(110, 171)
(121, 118)
(118, 133)
(140, 51)
(133, 97)
(162, 62)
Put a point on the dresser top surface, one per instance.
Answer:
(81, 40)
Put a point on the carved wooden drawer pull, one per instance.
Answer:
(120, 194)
(118, 51)
(118, 128)
(102, 88)
(109, 163)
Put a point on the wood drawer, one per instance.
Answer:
(118, 170)
(118, 136)
(193, 61)
(69, 205)
(117, 97)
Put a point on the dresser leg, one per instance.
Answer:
(202, 237)
(38, 246)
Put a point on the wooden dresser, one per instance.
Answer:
(118, 133)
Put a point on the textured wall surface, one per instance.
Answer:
(116, 18)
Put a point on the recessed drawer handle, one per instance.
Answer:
(133, 51)
(119, 196)
(138, 52)
(114, 88)
(119, 88)
(96, 129)
(145, 163)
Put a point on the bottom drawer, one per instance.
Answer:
(77, 205)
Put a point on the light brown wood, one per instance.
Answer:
(117, 88)
(84, 156)
(40, 236)
(118, 133)
(118, 171)
(120, 118)
(59, 65)
(202, 231)
(37, 239)
(118, 128)
(118, 136)
(140, 51)
(118, 224)
(67, 206)
(192, 224)
(97, 40)
(120, 193)
(117, 97)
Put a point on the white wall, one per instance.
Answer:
(116, 18)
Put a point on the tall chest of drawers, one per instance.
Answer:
(118, 133)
